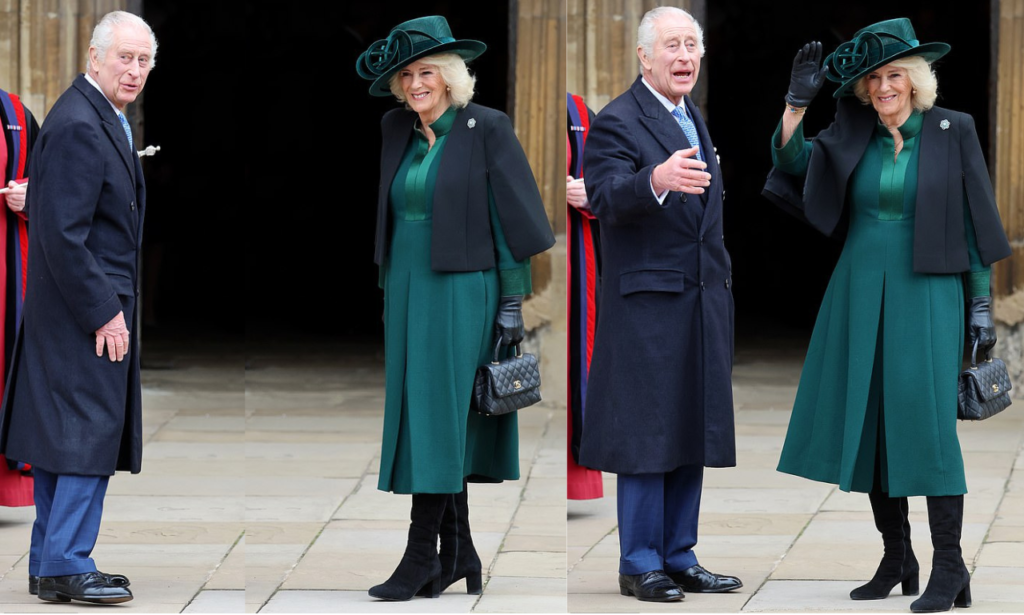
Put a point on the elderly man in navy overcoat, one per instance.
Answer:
(660, 403)
(73, 405)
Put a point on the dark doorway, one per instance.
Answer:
(780, 266)
(315, 138)
(194, 237)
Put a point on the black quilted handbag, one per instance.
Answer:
(506, 385)
(984, 389)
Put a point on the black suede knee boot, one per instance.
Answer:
(898, 563)
(420, 568)
(950, 582)
(459, 559)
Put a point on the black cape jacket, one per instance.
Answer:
(481, 148)
(951, 164)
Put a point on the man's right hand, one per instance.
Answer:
(681, 173)
(115, 335)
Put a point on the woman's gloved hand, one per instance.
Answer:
(980, 327)
(508, 323)
(808, 75)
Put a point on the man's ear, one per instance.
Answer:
(643, 58)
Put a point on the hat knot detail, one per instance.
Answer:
(380, 56)
(866, 48)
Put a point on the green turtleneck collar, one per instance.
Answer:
(908, 129)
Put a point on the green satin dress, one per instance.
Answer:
(439, 326)
(879, 383)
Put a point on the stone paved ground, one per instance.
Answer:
(176, 528)
(319, 534)
(801, 546)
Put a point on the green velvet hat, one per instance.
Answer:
(408, 42)
(875, 46)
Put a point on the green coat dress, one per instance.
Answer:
(439, 326)
(879, 384)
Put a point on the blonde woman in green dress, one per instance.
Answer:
(458, 217)
(906, 181)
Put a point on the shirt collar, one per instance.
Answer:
(664, 100)
(908, 130)
(92, 81)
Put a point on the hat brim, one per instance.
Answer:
(466, 49)
(929, 51)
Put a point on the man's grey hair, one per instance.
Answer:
(103, 35)
(646, 33)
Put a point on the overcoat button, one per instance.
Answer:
(682, 197)
(133, 205)
(727, 283)
(702, 240)
(702, 284)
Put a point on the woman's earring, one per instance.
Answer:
(913, 91)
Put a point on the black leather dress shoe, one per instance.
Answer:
(699, 581)
(85, 587)
(115, 580)
(654, 586)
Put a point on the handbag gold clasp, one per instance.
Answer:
(517, 384)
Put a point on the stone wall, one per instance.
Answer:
(1009, 317)
(544, 315)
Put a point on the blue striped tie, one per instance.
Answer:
(688, 129)
(127, 129)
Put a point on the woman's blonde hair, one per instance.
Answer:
(922, 79)
(454, 73)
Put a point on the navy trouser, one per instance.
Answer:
(68, 512)
(658, 520)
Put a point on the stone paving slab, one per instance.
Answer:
(313, 601)
(308, 508)
(174, 528)
(821, 596)
(166, 435)
(176, 486)
(217, 602)
(323, 536)
(172, 509)
(800, 545)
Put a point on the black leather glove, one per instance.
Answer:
(508, 323)
(980, 327)
(807, 77)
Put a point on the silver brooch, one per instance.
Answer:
(944, 124)
(472, 122)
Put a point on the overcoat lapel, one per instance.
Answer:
(140, 200)
(657, 120)
(111, 124)
(708, 151)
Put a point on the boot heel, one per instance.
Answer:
(431, 589)
(474, 584)
(911, 586)
(624, 591)
(963, 599)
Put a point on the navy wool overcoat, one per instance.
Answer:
(66, 410)
(661, 374)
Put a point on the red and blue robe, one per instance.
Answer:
(583, 278)
(19, 129)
